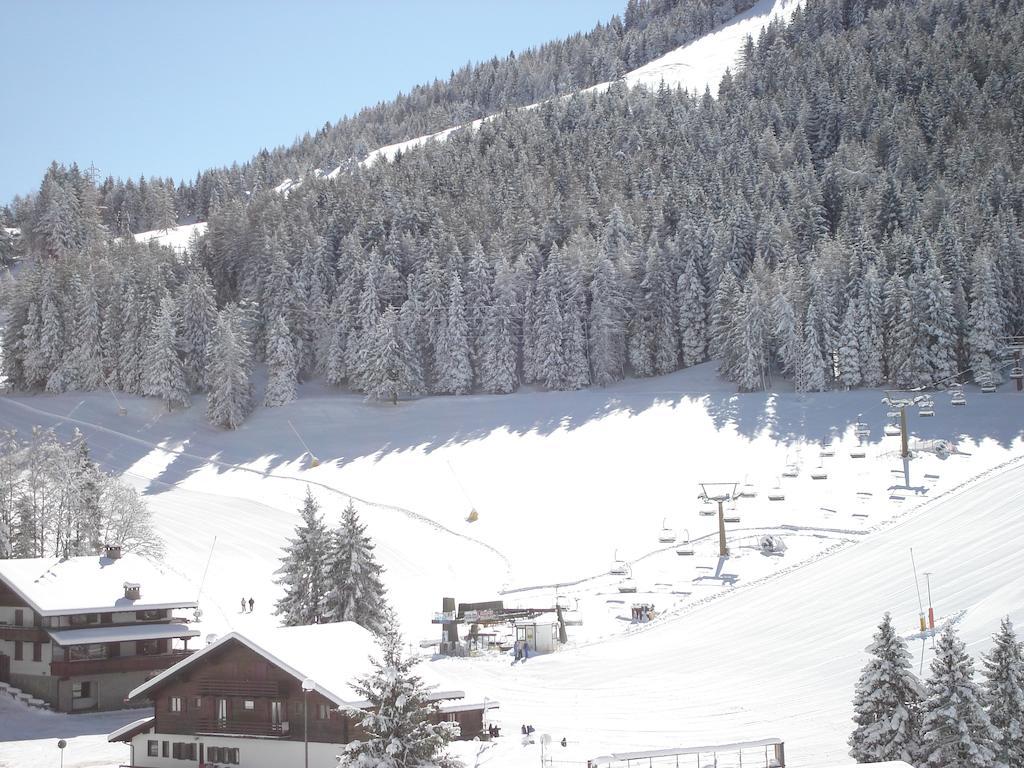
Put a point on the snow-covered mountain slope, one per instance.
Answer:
(564, 482)
(176, 237)
(694, 67)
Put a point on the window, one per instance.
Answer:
(165, 749)
(249, 705)
(19, 654)
(149, 647)
(183, 750)
(92, 652)
(19, 617)
(153, 748)
(197, 702)
(174, 704)
(82, 690)
(226, 755)
(106, 618)
(37, 651)
(323, 711)
(79, 619)
(149, 615)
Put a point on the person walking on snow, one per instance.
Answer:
(251, 602)
(243, 605)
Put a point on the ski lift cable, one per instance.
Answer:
(312, 455)
(202, 581)
(459, 483)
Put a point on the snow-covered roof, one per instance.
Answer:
(120, 634)
(93, 584)
(332, 655)
(674, 751)
(125, 732)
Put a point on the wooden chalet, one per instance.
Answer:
(79, 633)
(240, 700)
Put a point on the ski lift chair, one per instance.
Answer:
(628, 585)
(857, 453)
(791, 470)
(619, 567)
(892, 430)
(667, 535)
(708, 510)
(819, 473)
(776, 494)
(862, 430)
(685, 548)
(1017, 373)
(988, 386)
(827, 452)
(748, 491)
(958, 398)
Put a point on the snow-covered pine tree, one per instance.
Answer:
(397, 724)
(499, 369)
(164, 376)
(388, 372)
(281, 365)
(303, 571)
(955, 729)
(985, 319)
(886, 702)
(197, 318)
(849, 347)
(230, 393)
(355, 592)
(693, 325)
(1004, 693)
(871, 342)
(454, 370)
(810, 370)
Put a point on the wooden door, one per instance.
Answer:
(5, 668)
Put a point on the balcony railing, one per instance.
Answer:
(116, 664)
(253, 688)
(25, 634)
(237, 727)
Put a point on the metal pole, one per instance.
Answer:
(904, 448)
(931, 611)
(723, 551)
(917, 584)
(305, 725)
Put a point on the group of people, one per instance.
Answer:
(522, 651)
(493, 731)
(642, 612)
(250, 602)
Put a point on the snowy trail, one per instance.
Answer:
(58, 418)
(743, 666)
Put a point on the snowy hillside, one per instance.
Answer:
(694, 67)
(176, 237)
(562, 483)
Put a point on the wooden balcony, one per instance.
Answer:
(116, 664)
(249, 688)
(25, 634)
(215, 727)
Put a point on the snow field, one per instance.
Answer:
(560, 481)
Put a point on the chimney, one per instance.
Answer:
(131, 591)
(112, 551)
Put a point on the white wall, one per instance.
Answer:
(27, 666)
(252, 753)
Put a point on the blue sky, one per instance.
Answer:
(171, 88)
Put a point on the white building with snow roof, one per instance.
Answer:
(81, 632)
(240, 700)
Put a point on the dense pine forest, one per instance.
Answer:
(847, 212)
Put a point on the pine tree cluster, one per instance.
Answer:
(331, 576)
(950, 720)
(847, 213)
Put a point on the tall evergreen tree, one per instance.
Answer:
(356, 592)
(164, 376)
(282, 373)
(230, 393)
(304, 569)
(397, 724)
(955, 729)
(1004, 694)
(886, 702)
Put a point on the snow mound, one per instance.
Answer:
(176, 237)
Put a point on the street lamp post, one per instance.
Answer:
(60, 745)
(307, 686)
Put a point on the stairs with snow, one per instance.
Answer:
(22, 696)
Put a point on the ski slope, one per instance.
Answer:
(563, 483)
(176, 237)
(696, 66)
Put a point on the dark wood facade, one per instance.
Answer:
(234, 690)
